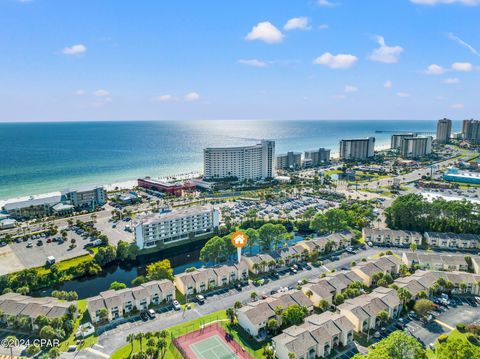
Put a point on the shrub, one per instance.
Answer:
(461, 327)
(442, 338)
(473, 339)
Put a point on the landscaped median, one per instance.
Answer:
(240, 336)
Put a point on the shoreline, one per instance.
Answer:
(129, 184)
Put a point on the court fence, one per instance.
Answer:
(180, 343)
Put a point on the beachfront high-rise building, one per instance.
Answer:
(415, 147)
(244, 163)
(357, 149)
(178, 226)
(396, 140)
(471, 131)
(317, 157)
(289, 161)
(444, 130)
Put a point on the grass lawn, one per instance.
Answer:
(126, 350)
(69, 263)
(88, 342)
(235, 330)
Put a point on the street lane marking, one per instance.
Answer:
(444, 324)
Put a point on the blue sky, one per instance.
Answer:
(271, 59)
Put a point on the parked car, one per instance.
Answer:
(200, 299)
(39, 243)
(144, 316)
(176, 305)
(29, 244)
(151, 313)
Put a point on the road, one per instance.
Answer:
(113, 339)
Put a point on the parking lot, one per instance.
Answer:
(461, 310)
(35, 255)
(295, 206)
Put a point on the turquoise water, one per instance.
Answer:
(44, 157)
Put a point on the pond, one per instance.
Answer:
(91, 286)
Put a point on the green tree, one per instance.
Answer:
(160, 270)
(252, 238)
(272, 326)
(423, 306)
(271, 235)
(456, 348)
(397, 345)
(294, 315)
(117, 285)
(10, 342)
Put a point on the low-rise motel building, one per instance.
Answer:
(113, 304)
(397, 238)
(204, 279)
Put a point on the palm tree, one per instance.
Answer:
(253, 296)
(139, 337)
(309, 293)
(404, 295)
(131, 340)
(231, 315)
(10, 342)
(237, 305)
(162, 346)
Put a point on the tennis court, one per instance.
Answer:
(212, 348)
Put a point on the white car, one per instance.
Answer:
(176, 305)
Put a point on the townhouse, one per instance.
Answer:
(204, 279)
(435, 261)
(17, 305)
(315, 338)
(259, 263)
(113, 304)
(253, 317)
(452, 240)
(389, 237)
(363, 311)
(289, 255)
(388, 264)
(326, 288)
(336, 241)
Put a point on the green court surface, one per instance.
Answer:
(212, 348)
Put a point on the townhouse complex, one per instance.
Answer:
(113, 304)
(435, 261)
(175, 226)
(17, 305)
(203, 279)
(401, 238)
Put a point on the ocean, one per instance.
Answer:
(50, 156)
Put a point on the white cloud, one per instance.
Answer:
(463, 43)
(327, 3)
(435, 2)
(350, 88)
(101, 93)
(192, 96)
(80, 93)
(340, 61)
(386, 54)
(300, 23)
(451, 81)
(462, 66)
(75, 50)
(265, 31)
(457, 106)
(163, 98)
(253, 62)
(434, 69)
(403, 94)
(388, 84)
